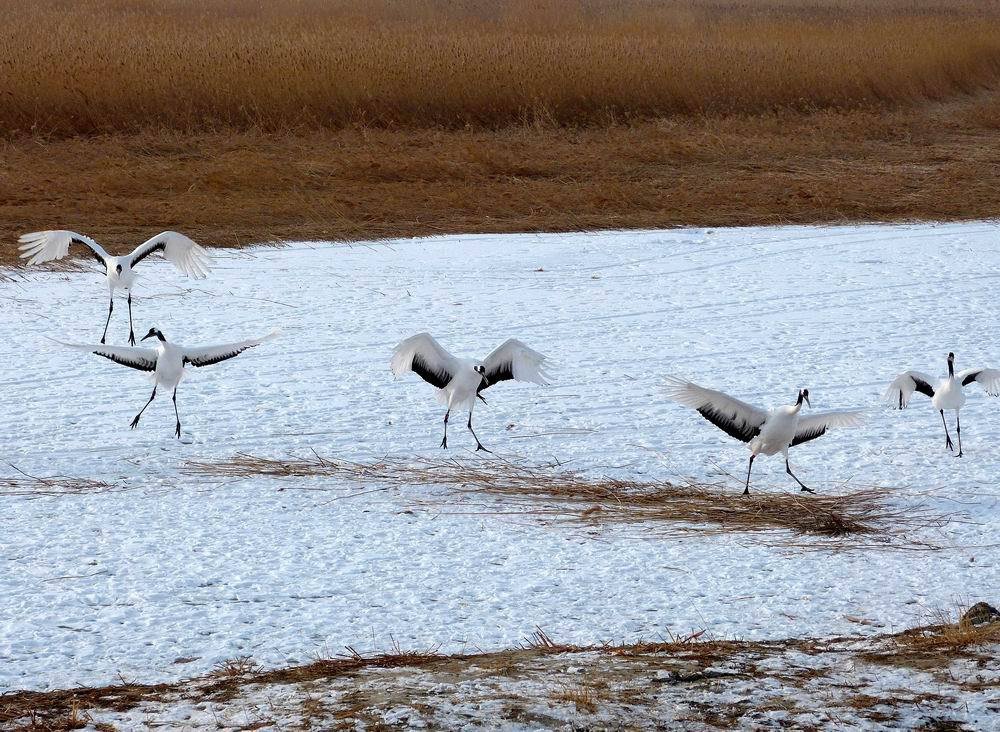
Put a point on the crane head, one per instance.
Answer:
(804, 397)
(481, 370)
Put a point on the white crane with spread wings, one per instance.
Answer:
(461, 380)
(765, 432)
(167, 360)
(945, 393)
(185, 254)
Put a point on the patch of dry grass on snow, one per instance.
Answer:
(848, 520)
(718, 683)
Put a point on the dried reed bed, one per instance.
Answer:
(850, 520)
(187, 65)
(53, 485)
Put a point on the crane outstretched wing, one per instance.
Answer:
(208, 355)
(185, 254)
(814, 425)
(901, 389)
(737, 419)
(989, 379)
(43, 246)
(514, 360)
(425, 357)
(141, 359)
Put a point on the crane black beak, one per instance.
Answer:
(485, 380)
(806, 397)
(150, 334)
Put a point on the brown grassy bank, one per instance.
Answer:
(940, 161)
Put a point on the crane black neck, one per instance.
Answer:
(155, 332)
(951, 365)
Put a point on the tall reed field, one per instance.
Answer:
(241, 121)
(81, 67)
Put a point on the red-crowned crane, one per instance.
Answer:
(765, 432)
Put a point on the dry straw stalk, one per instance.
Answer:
(849, 520)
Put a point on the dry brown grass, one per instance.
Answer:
(849, 520)
(240, 122)
(94, 67)
(239, 666)
(936, 649)
(231, 189)
(590, 677)
(43, 710)
(936, 645)
(584, 698)
(24, 484)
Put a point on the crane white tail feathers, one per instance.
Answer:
(44, 246)
(902, 388)
(515, 360)
(425, 357)
(183, 252)
(734, 417)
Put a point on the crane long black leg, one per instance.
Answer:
(111, 307)
(444, 441)
(947, 437)
(801, 484)
(131, 333)
(746, 491)
(479, 445)
(958, 428)
(177, 432)
(135, 422)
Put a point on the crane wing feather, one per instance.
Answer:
(43, 246)
(425, 357)
(734, 417)
(184, 253)
(514, 360)
(208, 355)
(141, 359)
(903, 386)
(814, 425)
(989, 379)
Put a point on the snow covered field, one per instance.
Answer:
(174, 574)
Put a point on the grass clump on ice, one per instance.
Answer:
(24, 484)
(548, 491)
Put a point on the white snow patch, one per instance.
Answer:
(174, 568)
